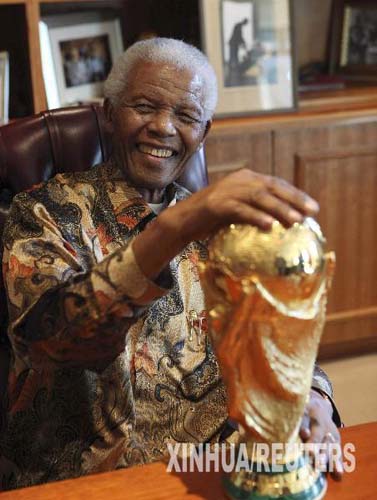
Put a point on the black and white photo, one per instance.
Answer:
(360, 36)
(354, 40)
(249, 51)
(249, 43)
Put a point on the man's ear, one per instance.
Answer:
(109, 114)
(207, 129)
(205, 133)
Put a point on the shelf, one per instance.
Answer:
(19, 35)
(355, 96)
(12, 2)
(318, 108)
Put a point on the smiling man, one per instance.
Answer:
(158, 124)
(107, 317)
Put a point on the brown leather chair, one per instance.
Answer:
(36, 148)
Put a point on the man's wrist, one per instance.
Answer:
(158, 244)
(174, 224)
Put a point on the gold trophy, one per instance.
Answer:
(266, 296)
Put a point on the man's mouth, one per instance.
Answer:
(156, 152)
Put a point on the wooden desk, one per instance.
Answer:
(151, 482)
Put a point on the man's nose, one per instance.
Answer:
(162, 124)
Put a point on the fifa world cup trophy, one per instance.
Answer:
(266, 295)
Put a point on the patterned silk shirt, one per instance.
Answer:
(107, 367)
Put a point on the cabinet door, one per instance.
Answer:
(338, 166)
(229, 150)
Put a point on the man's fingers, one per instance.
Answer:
(338, 470)
(311, 431)
(332, 436)
(275, 206)
(335, 463)
(295, 197)
(245, 214)
(251, 198)
(304, 434)
(326, 452)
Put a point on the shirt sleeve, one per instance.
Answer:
(322, 384)
(59, 311)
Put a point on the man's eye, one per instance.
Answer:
(186, 118)
(144, 108)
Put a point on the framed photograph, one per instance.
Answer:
(4, 87)
(249, 43)
(77, 55)
(354, 41)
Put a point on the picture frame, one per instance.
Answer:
(77, 51)
(353, 51)
(4, 87)
(250, 45)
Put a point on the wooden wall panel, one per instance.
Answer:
(227, 152)
(290, 141)
(349, 337)
(334, 160)
(345, 184)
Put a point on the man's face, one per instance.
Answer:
(159, 123)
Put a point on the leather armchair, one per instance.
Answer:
(36, 148)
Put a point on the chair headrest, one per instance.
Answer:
(36, 148)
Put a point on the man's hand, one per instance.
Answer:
(243, 197)
(317, 426)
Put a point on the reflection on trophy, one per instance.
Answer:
(266, 296)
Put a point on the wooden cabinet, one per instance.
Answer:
(333, 157)
(344, 181)
(231, 149)
(337, 164)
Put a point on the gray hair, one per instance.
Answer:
(163, 50)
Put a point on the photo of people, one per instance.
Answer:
(362, 36)
(86, 60)
(249, 58)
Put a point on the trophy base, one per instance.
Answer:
(303, 483)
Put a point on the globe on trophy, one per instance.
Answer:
(266, 294)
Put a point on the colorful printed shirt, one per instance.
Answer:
(108, 367)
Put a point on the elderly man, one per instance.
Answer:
(102, 282)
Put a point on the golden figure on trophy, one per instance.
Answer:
(266, 295)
